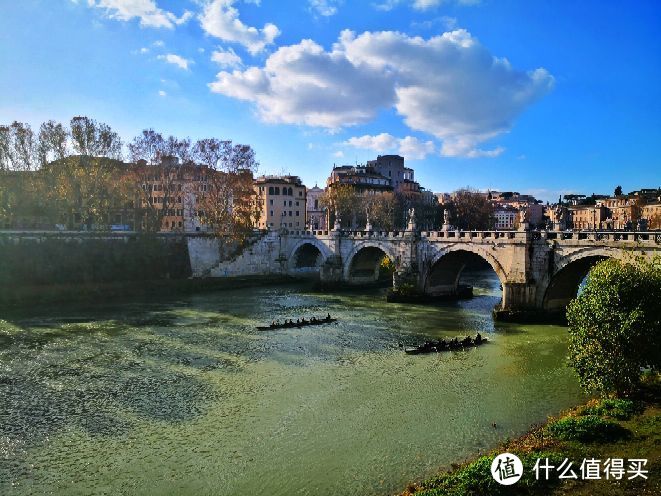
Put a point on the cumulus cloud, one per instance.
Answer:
(448, 86)
(409, 147)
(226, 58)
(177, 60)
(304, 84)
(324, 8)
(221, 20)
(162, 93)
(149, 14)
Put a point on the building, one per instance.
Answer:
(534, 209)
(588, 216)
(364, 178)
(392, 168)
(283, 202)
(316, 215)
(506, 217)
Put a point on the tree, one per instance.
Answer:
(19, 191)
(224, 198)
(53, 139)
(84, 190)
(615, 325)
(95, 139)
(471, 209)
(383, 209)
(343, 200)
(618, 191)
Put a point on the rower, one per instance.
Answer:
(328, 317)
(478, 338)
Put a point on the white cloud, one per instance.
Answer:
(144, 50)
(221, 20)
(447, 86)
(303, 84)
(324, 8)
(422, 5)
(149, 14)
(226, 58)
(159, 44)
(177, 60)
(162, 93)
(338, 154)
(409, 147)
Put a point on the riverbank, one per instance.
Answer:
(600, 429)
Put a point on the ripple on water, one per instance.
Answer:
(187, 397)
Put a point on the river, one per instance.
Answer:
(185, 397)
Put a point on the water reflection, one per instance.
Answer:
(186, 396)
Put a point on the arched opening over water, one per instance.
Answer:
(306, 260)
(566, 282)
(453, 273)
(370, 265)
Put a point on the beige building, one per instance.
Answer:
(282, 200)
(588, 216)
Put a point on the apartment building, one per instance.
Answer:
(282, 200)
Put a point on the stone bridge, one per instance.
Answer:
(538, 270)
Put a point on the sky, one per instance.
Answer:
(540, 97)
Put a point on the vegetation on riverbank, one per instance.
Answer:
(601, 429)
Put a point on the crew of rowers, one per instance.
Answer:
(297, 322)
(452, 343)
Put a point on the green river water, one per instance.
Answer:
(185, 397)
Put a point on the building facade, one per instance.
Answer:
(316, 214)
(282, 201)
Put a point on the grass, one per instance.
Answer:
(602, 429)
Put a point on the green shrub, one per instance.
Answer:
(620, 409)
(615, 325)
(589, 428)
(475, 479)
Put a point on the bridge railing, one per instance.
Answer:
(478, 236)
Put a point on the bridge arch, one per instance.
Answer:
(307, 256)
(363, 262)
(446, 266)
(557, 290)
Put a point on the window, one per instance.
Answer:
(277, 190)
(297, 204)
(290, 203)
(271, 202)
(297, 213)
(271, 213)
(271, 190)
(316, 204)
(284, 213)
(290, 214)
(284, 203)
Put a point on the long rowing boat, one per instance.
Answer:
(293, 325)
(443, 345)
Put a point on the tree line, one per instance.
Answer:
(74, 176)
(469, 209)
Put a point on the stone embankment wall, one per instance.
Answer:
(262, 257)
(65, 258)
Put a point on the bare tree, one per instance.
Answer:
(471, 210)
(224, 195)
(148, 146)
(52, 142)
(95, 139)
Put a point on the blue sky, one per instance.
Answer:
(533, 96)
